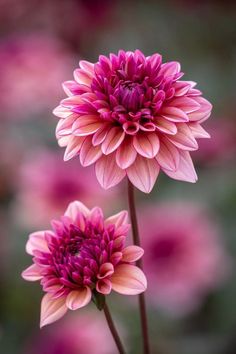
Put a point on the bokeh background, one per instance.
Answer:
(188, 230)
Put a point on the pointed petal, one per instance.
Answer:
(32, 273)
(185, 171)
(108, 172)
(62, 112)
(105, 270)
(113, 140)
(147, 144)
(64, 126)
(184, 138)
(100, 134)
(73, 147)
(78, 298)
(51, 309)
(128, 280)
(186, 104)
(170, 68)
(198, 131)
(87, 66)
(126, 153)
(36, 241)
(168, 156)
(174, 114)
(104, 286)
(132, 253)
(165, 126)
(74, 208)
(143, 173)
(89, 153)
(63, 140)
(86, 125)
(83, 77)
(203, 112)
(118, 219)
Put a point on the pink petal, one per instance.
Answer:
(185, 171)
(168, 156)
(143, 173)
(203, 112)
(113, 140)
(174, 114)
(89, 153)
(147, 144)
(184, 138)
(100, 134)
(72, 101)
(132, 253)
(170, 68)
(32, 273)
(182, 87)
(74, 208)
(82, 77)
(104, 286)
(107, 171)
(52, 309)
(70, 87)
(36, 241)
(73, 147)
(186, 104)
(105, 270)
(63, 140)
(128, 280)
(87, 66)
(78, 298)
(118, 220)
(86, 125)
(126, 153)
(62, 112)
(165, 126)
(198, 131)
(96, 217)
(64, 126)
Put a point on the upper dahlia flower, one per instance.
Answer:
(83, 255)
(132, 115)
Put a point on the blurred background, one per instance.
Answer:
(188, 230)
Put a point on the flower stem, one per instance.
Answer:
(136, 240)
(113, 330)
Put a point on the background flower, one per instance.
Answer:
(132, 115)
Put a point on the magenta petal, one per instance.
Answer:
(143, 173)
(128, 280)
(132, 253)
(32, 273)
(185, 171)
(147, 144)
(78, 298)
(107, 171)
(51, 309)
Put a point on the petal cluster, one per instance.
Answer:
(83, 254)
(132, 115)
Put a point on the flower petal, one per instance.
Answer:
(184, 138)
(86, 125)
(62, 112)
(132, 253)
(36, 241)
(168, 155)
(165, 126)
(76, 207)
(143, 173)
(32, 273)
(108, 172)
(128, 280)
(126, 153)
(78, 298)
(186, 104)
(89, 153)
(51, 309)
(105, 270)
(118, 219)
(185, 171)
(147, 144)
(100, 134)
(104, 286)
(73, 147)
(113, 140)
(174, 114)
(198, 131)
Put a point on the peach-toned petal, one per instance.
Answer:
(203, 112)
(89, 153)
(86, 125)
(185, 171)
(72, 101)
(198, 131)
(174, 114)
(184, 138)
(73, 147)
(143, 173)
(52, 309)
(107, 171)
(78, 298)
(132, 253)
(104, 286)
(118, 219)
(147, 144)
(105, 270)
(186, 104)
(62, 112)
(82, 77)
(63, 140)
(32, 273)
(128, 280)
(165, 126)
(76, 207)
(36, 241)
(100, 134)
(168, 156)
(126, 153)
(113, 140)
(64, 126)
(87, 66)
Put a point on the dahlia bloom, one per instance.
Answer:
(184, 257)
(45, 188)
(132, 115)
(82, 255)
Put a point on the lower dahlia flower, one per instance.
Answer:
(132, 115)
(83, 255)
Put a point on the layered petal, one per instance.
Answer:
(32, 273)
(147, 144)
(78, 298)
(128, 280)
(36, 242)
(126, 153)
(52, 309)
(132, 253)
(108, 172)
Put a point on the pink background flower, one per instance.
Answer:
(184, 257)
(132, 115)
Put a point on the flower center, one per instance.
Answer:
(130, 95)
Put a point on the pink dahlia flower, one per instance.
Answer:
(184, 256)
(132, 115)
(83, 254)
